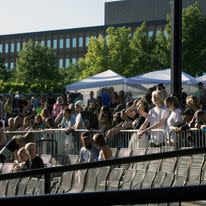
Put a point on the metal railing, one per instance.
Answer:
(153, 195)
(58, 141)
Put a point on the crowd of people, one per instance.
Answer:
(109, 112)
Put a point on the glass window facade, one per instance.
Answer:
(74, 60)
(18, 46)
(80, 41)
(6, 50)
(74, 42)
(1, 48)
(48, 43)
(61, 63)
(87, 40)
(12, 47)
(11, 65)
(61, 43)
(68, 43)
(6, 65)
(150, 33)
(67, 62)
(54, 44)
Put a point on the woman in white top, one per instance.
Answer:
(175, 117)
(156, 119)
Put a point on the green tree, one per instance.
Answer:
(4, 75)
(163, 46)
(119, 51)
(36, 63)
(95, 60)
(109, 52)
(143, 52)
(193, 40)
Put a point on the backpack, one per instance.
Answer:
(90, 120)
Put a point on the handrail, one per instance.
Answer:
(118, 161)
(119, 197)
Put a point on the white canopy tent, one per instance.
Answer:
(202, 79)
(160, 76)
(163, 76)
(105, 79)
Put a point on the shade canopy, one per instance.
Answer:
(104, 79)
(160, 76)
(202, 79)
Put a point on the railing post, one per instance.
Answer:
(47, 185)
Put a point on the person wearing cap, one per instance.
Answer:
(88, 152)
(79, 107)
(201, 94)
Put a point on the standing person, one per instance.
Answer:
(201, 94)
(175, 117)
(105, 151)
(91, 100)
(34, 161)
(57, 107)
(157, 118)
(88, 152)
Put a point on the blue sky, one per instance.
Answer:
(19, 16)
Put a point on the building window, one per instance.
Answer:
(67, 62)
(74, 60)
(1, 48)
(166, 34)
(24, 43)
(80, 41)
(87, 40)
(61, 43)
(150, 34)
(6, 65)
(48, 43)
(42, 42)
(18, 46)
(6, 50)
(68, 43)
(55, 44)
(12, 65)
(74, 42)
(12, 47)
(61, 63)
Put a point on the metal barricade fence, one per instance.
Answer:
(58, 141)
(190, 138)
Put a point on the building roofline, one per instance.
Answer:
(80, 29)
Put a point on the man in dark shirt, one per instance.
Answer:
(34, 161)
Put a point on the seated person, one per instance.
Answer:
(105, 151)
(19, 164)
(34, 161)
(88, 152)
(13, 145)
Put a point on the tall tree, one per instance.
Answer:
(4, 74)
(194, 40)
(119, 51)
(143, 51)
(95, 60)
(36, 63)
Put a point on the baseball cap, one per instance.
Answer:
(80, 103)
